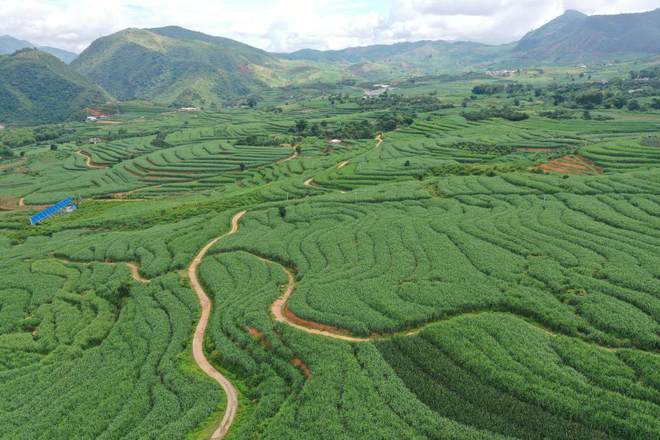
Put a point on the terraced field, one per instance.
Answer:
(446, 279)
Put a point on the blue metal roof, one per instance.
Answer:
(50, 211)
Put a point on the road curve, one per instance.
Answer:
(135, 273)
(89, 163)
(198, 337)
(310, 183)
(282, 314)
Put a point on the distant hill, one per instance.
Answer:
(36, 87)
(421, 57)
(9, 45)
(63, 55)
(576, 37)
(570, 38)
(182, 67)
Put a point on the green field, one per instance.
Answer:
(452, 276)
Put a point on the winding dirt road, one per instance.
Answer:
(310, 183)
(89, 163)
(198, 337)
(379, 140)
(293, 156)
(282, 314)
(135, 273)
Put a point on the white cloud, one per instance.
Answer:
(285, 25)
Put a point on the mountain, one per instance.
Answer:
(576, 37)
(62, 54)
(36, 87)
(9, 45)
(416, 58)
(570, 38)
(183, 67)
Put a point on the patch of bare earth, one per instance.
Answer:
(573, 164)
(255, 333)
(296, 361)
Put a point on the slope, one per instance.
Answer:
(577, 37)
(9, 45)
(421, 57)
(179, 66)
(36, 87)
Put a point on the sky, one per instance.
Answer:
(289, 25)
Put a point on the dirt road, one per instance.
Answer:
(135, 273)
(198, 337)
(282, 314)
(310, 183)
(286, 159)
(379, 140)
(88, 161)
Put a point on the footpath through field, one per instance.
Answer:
(89, 162)
(198, 337)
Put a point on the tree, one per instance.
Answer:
(619, 102)
(634, 105)
(656, 103)
(590, 99)
(282, 211)
(407, 164)
(242, 166)
(301, 125)
(53, 147)
(586, 115)
(252, 102)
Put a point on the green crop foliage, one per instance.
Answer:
(505, 272)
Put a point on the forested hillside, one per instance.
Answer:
(576, 37)
(182, 67)
(39, 88)
(9, 45)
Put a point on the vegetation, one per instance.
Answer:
(495, 258)
(38, 88)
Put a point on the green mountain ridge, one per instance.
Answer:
(37, 87)
(570, 38)
(576, 37)
(409, 58)
(9, 45)
(182, 67)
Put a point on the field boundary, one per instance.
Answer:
(198, 337)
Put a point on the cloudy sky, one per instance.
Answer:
(287, 25)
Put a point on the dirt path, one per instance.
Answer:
(379, 140)
(286, 159)
(125, 195)
(310, 183)
(135, 273)
(341, 165)
(89, 163)
(282, 314)
(132, 267)
(198, 337)
(10, 203)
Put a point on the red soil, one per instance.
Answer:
(303, 367)
(570, 165)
